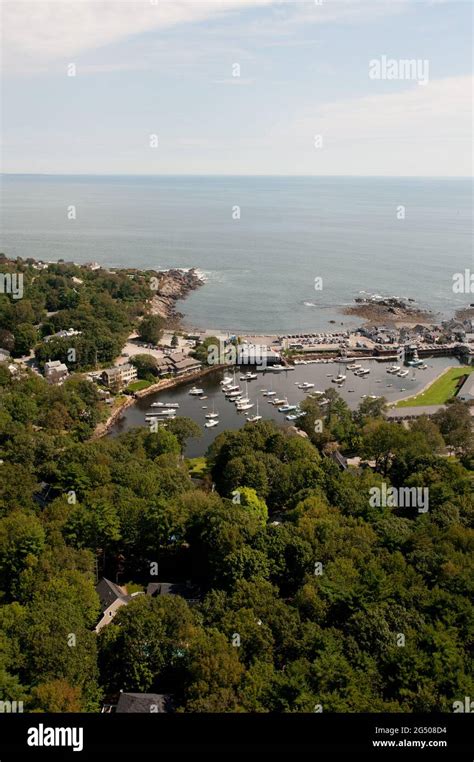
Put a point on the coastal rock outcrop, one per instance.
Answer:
(390, 309)
(172, 286)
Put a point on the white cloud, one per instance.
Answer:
(37, 31)
(418, 131)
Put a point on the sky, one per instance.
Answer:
(251, 87)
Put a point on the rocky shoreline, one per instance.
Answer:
(389, 311)
(172, 286)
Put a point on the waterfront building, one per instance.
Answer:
(466, 392)
(119, 377)
(188, 365)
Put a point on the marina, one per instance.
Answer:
(281, 389)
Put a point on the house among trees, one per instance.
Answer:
(139, 703)
(55, 371)
(172, 588)
(112, 597)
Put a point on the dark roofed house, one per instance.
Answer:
(183, 364)
(144, 703)
(111, 597)
(164, 366)
(108, 592)
(172, 588)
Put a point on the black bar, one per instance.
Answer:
(121, 736)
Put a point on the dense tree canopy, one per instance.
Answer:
(308, 595)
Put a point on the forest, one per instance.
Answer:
(306, 597)
(103, 307)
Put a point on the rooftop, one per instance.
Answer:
(144, 703)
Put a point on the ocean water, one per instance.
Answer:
(260, 241)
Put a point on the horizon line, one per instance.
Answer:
(223, 174)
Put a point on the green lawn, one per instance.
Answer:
(440, 391)
(197, 466)
(136, 386)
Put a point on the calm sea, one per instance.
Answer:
(260, 241)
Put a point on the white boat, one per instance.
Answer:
(212, 415)
(165, 404)
(354, 366)
(233, 395)
(203, 397)
(269, 394)
(243, 400)
(393, 369)
(248, 377)
(210, 424)
(305, 385)
(244, 405)
(339, 379)
(226, 380)
(256, 417)
(196, 391)
(279, 402)
(402, 374)
(278, 367)
(229, 389)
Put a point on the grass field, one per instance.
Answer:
(137, 386)
(440, 391)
